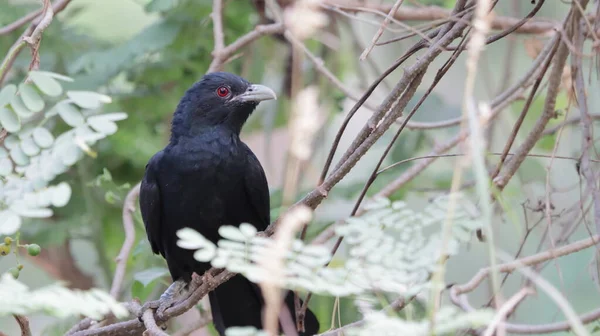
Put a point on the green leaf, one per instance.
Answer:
(6, 166)
(24, 211)
(9, 120)
(70, 114)
(117, 116)
(10, 222)
(31, 98)
(19, 107)
(11, 141)
(43, 137)
(18, 156)
(141, 292)
(103, 126)
(70, 154)
(3, 152)
(61, 194)
(46, 83)
(55, 75)
(88, 99)
(145, 277)
(29, 147)
(7, 93)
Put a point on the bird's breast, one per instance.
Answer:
(204, 186)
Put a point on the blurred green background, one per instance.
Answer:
(145, 54)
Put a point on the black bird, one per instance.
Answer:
(207, 177)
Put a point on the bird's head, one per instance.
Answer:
(218, 99)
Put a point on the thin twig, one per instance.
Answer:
(226, 53)
(432, 13)
(23, 324)
(396, 305)
(17, 47)
(217, 19)
(587, 136)
(129, 228)
(548, 112)
(577, 246)
(385, 22)
(36, 37)
(522, 115)
(9, 28)
(506, 308)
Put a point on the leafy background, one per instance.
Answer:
(145, 54)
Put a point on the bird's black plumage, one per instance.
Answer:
(207, 177)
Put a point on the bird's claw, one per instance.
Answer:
(148, 305)
(159, 307)
(166, 302)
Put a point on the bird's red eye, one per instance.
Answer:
(222, 91)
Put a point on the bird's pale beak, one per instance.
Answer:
(256, 93)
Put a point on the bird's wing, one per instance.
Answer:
(257, 190)
(150, 204)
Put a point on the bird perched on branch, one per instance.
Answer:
(204, 178)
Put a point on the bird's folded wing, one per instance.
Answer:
(257, 191)
(150, 204)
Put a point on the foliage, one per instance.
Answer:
(391, 249)
(55, 300)
(448, 321)
(63, 179)
(38, 156)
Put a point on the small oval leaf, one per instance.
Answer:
(88, 99)
(7, 93)
(232, 233)
(23, 210)
(6, 166)
(10, 223)
(70, 154)
(29, 147)
(117, 116)
(9, 120)
(61, 194)
(19, 156)
(45, 83)
(55, 75)
(69, 114)
(19, 107)
(31, 97)
(11, 142)
(103, 126)
(43, 137)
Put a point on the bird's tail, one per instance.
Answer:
(239, 302)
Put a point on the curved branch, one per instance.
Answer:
(129, 228)
(526, 261)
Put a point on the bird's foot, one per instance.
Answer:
(148, 305)
(167, 299)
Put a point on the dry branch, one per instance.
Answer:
(432, 13)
